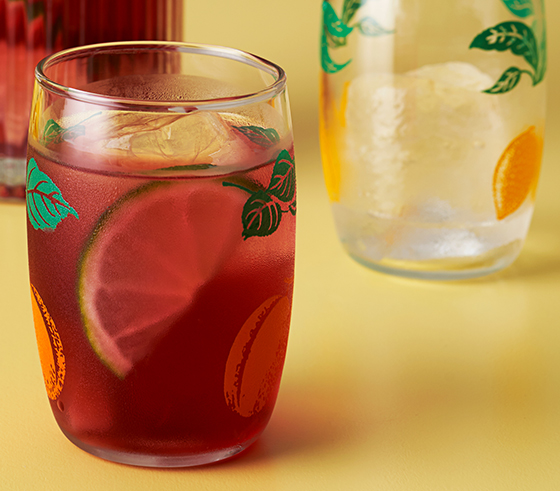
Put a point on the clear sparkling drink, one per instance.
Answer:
(432, 156)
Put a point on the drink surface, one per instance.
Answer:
(168, 275)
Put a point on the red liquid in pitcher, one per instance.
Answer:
(33, 29)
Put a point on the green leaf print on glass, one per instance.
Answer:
(333, 24)
(541, 70)
(265, 137)
(327, 63)
(262, 213)
(370, 27)
(349, 9)
(283, 181)
(46, 207)
(521, 40)
(516, 37)
(335, 31)
(521, 8)
(509, 79)
(54, 133)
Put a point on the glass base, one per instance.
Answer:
(12, 178)
(150, 460)
(456, 268)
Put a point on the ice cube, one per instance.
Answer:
(418, 244)
(456, 74)
(428, 133)
(145, 141)
(196, 138)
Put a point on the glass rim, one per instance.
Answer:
(124, 47)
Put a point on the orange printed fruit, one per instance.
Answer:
(51, 353)
(255, 361)
(332, 122)
(517, 172)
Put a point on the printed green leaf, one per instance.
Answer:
(349, 9)
(293, 208)
(336, 30)
(46, 207)
(335, 42)
(509, 79)
(52, 130)
(263, 210)
(265, 137)
(520, 8)
(370, 27)
(514, 36)
(73, 132)
(283, 181)
(521, 40)
(261, 215)
(332, 23)
(327, 63)
(54, 133)
(543, 62)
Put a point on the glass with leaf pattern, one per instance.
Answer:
(161, 209)
(432, 123)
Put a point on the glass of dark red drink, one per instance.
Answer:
(161, 231)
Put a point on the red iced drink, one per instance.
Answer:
(161, 258)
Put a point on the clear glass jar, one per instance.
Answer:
(432, 125)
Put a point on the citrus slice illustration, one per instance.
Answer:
(255, 361)
(517, 172)
(146, 260)
(51, 354)
(332, 124)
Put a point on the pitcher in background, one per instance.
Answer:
(33, 29)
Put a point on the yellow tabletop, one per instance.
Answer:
(389, 384)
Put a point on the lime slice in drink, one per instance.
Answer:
(146, 259)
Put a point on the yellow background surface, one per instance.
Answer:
(389, 384)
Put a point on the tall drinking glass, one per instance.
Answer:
(33, 29)
(161, 224)
(432, 124)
